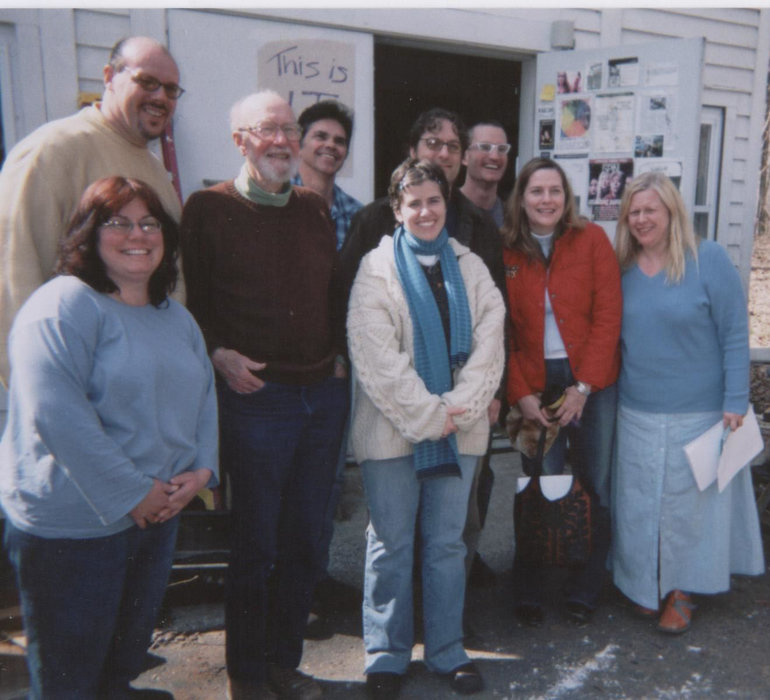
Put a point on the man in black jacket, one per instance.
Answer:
(439, 136)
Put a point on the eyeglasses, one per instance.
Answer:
(122, 225)
(501, 148)
(268, 130)
(150, 84)
(435, 144)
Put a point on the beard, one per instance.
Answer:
(280, 172)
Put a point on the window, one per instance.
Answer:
(706, 208)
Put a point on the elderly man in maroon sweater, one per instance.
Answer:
(259, 256)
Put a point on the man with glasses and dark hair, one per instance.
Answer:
(259, 254)
(440, 136)
(485, 161)
(327, 127)
(45, 174)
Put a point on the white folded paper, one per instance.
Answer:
(553, 487)
(719, 455)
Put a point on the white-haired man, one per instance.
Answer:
(259, 255)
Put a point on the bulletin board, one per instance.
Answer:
(607, 115)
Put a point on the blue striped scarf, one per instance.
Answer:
(433, 364)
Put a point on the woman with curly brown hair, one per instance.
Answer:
(112, 430)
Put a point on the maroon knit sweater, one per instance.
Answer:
(258, 279)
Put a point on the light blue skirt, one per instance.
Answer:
(666, 533)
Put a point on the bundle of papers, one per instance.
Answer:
(719, 453)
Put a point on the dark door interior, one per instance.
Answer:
(408, 81)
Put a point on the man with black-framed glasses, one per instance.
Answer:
(485, 163)
(45, 174)
(440, 136)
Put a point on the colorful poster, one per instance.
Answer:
(546, 136)
(607, 179)
(574, 133)
(569, 81)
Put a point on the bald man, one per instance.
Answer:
(46, 173)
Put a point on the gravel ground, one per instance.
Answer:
(724, 655)
(759, 293)
(617, 656)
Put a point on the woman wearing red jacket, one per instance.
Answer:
(565, 304)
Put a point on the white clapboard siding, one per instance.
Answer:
(96, 31)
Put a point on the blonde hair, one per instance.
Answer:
(681, 236)
(515, 231)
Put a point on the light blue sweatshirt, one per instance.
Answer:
(686, 346)
(103, 397)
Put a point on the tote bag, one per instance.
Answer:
(552, 531)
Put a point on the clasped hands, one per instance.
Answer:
(570, 409)
(166, 499)
(493, 413)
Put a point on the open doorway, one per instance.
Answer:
(407, 81)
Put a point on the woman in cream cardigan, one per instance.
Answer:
(425, 328)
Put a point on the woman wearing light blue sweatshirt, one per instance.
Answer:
(685, 366)
(112, 430)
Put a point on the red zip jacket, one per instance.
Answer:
(584, 287)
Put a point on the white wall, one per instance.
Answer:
(214, 80)
(737, 50)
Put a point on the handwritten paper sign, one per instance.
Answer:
(306, 71)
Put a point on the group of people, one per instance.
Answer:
(434, 306)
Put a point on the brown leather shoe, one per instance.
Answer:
(677, 615)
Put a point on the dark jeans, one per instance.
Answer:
(280, 446)
(89, 607)
(591, 446)
(331, 507)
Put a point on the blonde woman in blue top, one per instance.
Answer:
(685, 366)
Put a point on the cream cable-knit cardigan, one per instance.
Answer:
(392, 407)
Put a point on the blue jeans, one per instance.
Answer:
(395, 496)
(279, 447)
(591, 447)
(89, 607)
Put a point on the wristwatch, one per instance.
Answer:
(583, 388)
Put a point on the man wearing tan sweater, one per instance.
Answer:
(46, 173)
